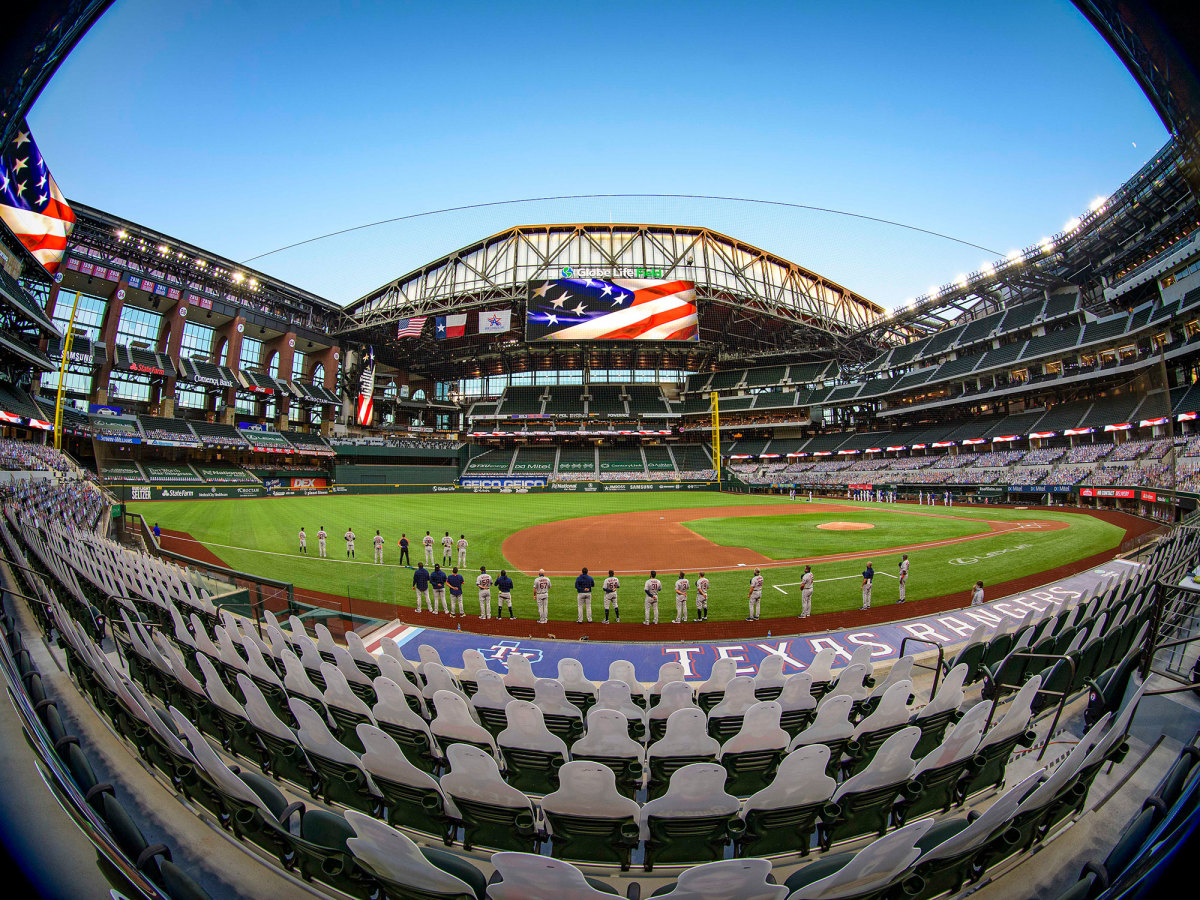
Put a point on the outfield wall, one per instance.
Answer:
(500, 485)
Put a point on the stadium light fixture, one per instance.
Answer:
(1098, 204)
(1013, 256)
(163, 248)
(239, 277)
(122, 234)
(1071, 225)
(1046, 245)
(961, 280)
(987, 269)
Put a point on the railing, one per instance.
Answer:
(937, 667)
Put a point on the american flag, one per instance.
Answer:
(410, 327)
(366, 389)
(625, 309)
(31, 204)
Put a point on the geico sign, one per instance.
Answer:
(503, 482)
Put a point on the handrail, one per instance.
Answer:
(1000, 685)
(937, 670)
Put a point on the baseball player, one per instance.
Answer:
(681, 592)
(977, 594)
(652, 587)
(504, 585)
(611, 585)
(484, 583)
(437, 580)
(462, 549)
(403, 542)
(806, 589)
(428, 543)
(701, 597)
(303, 541)
(903, 576)
(378, 541)
(349, 536)
(421, 580)
(541, 595)
(447, 549)
(321, 541)
(583, 595)
(868, 577)
(456, 585)
(755, 596)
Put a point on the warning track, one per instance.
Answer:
(660, 539)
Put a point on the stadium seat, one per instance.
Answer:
(409, 796)
(769, 679)
(280, 754)
(314, 843)
(579, 690)
(752, 755)
(493, 813)
(394, 715)
(520, 680)
(526, 876)
(614, 694)
(941, 772)
(453, 724)
(340, 775)
(798, 703)
(710, 692)
(667, 673)
(607, 741)
(901, 670)
(782, 817)
(865, 800)
(490, 700)
(746, 879)
(297, 681)
(226, 716)
(672, 696)
(880, 869)
(405, 679)
(562, 716)
(998, 744)
(473, 664)
(725, 719)
(852, 682)
(403, 871)
(693, 820)
(532, 755)
(438, 678)
(942, 709)
(890, 715)
(588, 819)
(344, 706)
(623, 670)
(831, 726)
(685, 742)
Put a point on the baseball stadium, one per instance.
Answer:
(397, 595)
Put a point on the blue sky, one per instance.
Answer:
(242, 127)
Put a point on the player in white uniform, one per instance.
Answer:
(903, 576)
(378, 541)
(428, 542)
(303, 541)
(462, 549)
(755, 596)
(484, 583)
(349, 536)
(681, 592)
(541, 594)
(611, 585)
(652, 587)
(701, 597)
(321, 541)
(447, 549)
(806, 589)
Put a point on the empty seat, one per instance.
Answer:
(865, 800)
(798, 703)
(941, 773)
(685, 742)
(532, 755)
(782, 817)
(873, 871)
(588, 819)
(693, 820)
(752, 755)
(607, 741)
(519, 680)
(526, 876)
(494, 814)
(623, 670)
(725, 719)
(408, 796)
(346, 707)
(941, 710)
(769, 679)
(672, 696)
(340, 775)
(615, 694)
(452, 724)
(563, 717)
(746, 879)
(831, 727)
(490, 700)
(710, 692)
(394, 715)
(890, 715)
(580, 691)
(404, 871)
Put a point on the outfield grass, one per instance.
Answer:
(259, 536)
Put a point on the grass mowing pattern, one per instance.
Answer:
(271, 525)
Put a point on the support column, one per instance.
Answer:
(108, 335)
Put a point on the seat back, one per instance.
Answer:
(527, 876)
(832, 723)
(880, 864)
(393, 857)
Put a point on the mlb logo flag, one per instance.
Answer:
(495, 322)
(451, 326)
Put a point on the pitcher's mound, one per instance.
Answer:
(845, 526)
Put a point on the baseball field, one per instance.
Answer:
(725, 535)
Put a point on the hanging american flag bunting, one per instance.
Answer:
(31, 204)
(366, 389)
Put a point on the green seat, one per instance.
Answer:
(673, 829)
(863, 748)
(408, 795)
(493, 720)
(532, 771)
(817, 870)
(994, 653)
(413, 743)
(589, 821)
(970, 656)
(346, 722)
(313, 843)
(628, 771)
(340, 778)
(933, 729)
(750, 771)
(939, 790)
(770, 832)
(991, 761)
(663, 767)
(793, 721)
(493, 813)
(865, 812)
(724, 727)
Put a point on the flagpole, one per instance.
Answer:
(62, 371)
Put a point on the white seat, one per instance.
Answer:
(227, 649)
(797, 693)
(623, 670)
(608, 736)
(760, 730)
(1016, 718)
(475, 776)
(338, 693)
(874, 867)
(821, 667)
(427, 653)
(296, 629)
(987, 824)
(851, 682)
(799, 781)
(257, 666)
(260, 713)
(383, 757)
(572, 678)
(527, 730)
(891, 711)
(473, 664)
(325, 642)
(439, 678)
(901, 670)
(723, 671)
(949, 694)
(216, 690)
(358, 650)
(770, 673)
(348, 667)
(687, 735)
(550, 696)
(395, 858)
(201, 640)
(695, 790)
(391, 706)
(277, 641)
(527, 876)
(394, 671)
(959, 743)
(739, 697)
(667, 673)
(214, 767)
(452, 722)
(862, 656)
(316, 739)
(891, 764)
(674, 695)
(589, 789)
(296, 680)
(178, 666)
(520, 673)
(490, 692)
(745, 879)
(615, 695)
(832, 723)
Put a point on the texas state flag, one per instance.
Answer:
(451, 326)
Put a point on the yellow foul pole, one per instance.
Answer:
(62, 371)
(716, 435)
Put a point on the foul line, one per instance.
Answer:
(781, 587)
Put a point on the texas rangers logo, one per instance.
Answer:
(502, 650)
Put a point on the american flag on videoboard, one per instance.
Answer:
(410, 327)
(366, 388)
(620, 309)
(31, 204)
